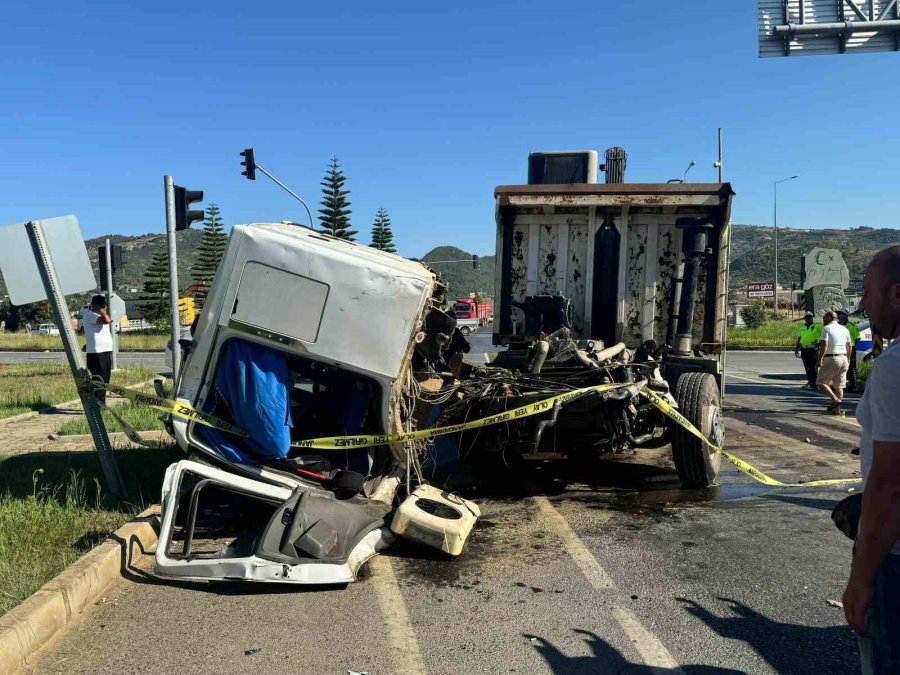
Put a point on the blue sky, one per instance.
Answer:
(428, 106)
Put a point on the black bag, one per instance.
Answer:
(847, 513)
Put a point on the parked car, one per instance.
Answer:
(47, 329)
(864, 346)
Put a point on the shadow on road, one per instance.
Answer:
(788, 648)
(607, 660)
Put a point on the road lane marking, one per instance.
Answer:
(648, 646)
(405, 654)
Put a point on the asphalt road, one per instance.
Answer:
(152, 360)
(610, 570)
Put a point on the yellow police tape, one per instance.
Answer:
(748, 469)
(187, 412)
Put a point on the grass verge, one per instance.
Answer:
(138, 417)
(33, 386)
(53, 510)
(774, 334)
(127, 341)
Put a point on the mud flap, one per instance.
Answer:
(300, 536)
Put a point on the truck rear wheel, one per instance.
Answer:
(465, 330)
(698, 400)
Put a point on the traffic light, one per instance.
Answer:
(184, 215)
(250, 164)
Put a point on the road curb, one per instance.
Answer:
(36, 622)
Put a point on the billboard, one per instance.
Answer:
(761, 289)
(816, 27)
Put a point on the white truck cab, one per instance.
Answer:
(302, 336)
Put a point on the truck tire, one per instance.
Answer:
(698, 400)
(465, 330)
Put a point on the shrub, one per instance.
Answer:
(863, 370)
(756, 314)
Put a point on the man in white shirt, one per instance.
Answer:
(834, 361)
(99, 341)
(872, 598)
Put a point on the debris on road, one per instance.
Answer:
(251, 652)
(835, 603)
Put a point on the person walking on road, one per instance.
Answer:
(872, 597)
(98, 336)
(843, 317)
(807, 342)
(834, 359)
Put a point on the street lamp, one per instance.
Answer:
(684, 177)
(775, 203)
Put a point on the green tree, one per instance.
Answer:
(209, 253)
(335, 216)
(382, 236)
(156, 285)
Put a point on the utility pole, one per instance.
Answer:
(174, 318)
(74, 356)
(775, 221)
(109, 299)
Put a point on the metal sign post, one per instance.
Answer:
(109, 299)
(174, 318)
(57, 301)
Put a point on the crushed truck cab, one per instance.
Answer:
(302, 336)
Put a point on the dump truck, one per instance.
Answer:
(608, 283)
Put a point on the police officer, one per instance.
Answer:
(843, 317)
(807, 344)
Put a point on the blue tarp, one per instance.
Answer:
(253, 382)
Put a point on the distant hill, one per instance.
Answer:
(753, 254)
(462, 277)
(752, 257)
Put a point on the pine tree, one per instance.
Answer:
(156, 285)
(382, 236)
(209, 253)
(335, 216)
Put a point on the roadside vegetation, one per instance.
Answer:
(128, 342)
(864, 369)
(138, 417)
(53, 510)
(781, 333)
(33, 386)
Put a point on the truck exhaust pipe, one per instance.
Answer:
(694, 249)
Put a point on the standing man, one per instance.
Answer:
(807, 341)
(872, 598)
(834, 360)
(99, 341)
(843, 317)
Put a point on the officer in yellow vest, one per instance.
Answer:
(807, 342)
(843, 317)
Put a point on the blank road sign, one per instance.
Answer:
(816, 27)
(66, 246)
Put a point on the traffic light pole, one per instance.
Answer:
(75, 358)
(174, 318)
(289, 191)
(109, 295)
